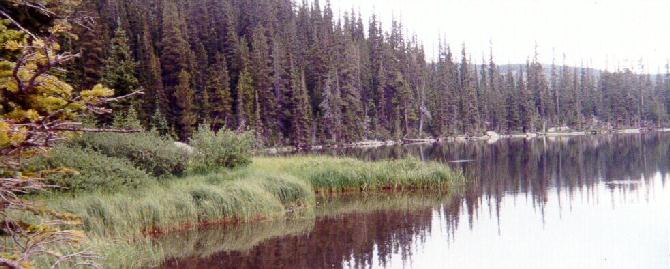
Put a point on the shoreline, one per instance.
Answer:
(271, 188)
(490, 137)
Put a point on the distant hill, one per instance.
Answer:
(547, 70)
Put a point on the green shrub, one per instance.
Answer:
(222, 149)
(148, 151)
(82, 169)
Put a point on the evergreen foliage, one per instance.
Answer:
(296, 74)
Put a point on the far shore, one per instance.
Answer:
(490, 137)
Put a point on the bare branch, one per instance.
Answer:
(119, 98)
(95, 130)
(17, 24)
(10, 264)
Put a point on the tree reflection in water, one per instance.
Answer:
(361, 231)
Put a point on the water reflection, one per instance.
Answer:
(581, 202)
(347, 232)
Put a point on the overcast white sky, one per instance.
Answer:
(602, 32)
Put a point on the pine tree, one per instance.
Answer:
(200, 80)
(127, 120)
(119, 70)
(149, 71)
(376, 101)
(302, 114)
(175, 59)
(512, 103)
(262, 76)
(246, 94)
(526, 105)
(497, 96)
(330, 106)
(186, 116)
(350, 85)
(555, 91)
(358, 86)
(158, 122)
(537, 86)
(218, 108)
(469, 107)
(576, 119)
(92, 47)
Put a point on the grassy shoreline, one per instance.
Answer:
(269, 188)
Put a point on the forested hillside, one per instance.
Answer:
(297, 74)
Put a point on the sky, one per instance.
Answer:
(597, 33)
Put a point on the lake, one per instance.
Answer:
(578, 202)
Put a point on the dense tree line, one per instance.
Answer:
(296, 74)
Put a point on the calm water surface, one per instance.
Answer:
(583, 202)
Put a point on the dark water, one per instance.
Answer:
(582, 202)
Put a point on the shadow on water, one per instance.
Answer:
(564, 182)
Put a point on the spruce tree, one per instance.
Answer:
(262, 77)
(158, 122)
(91, 47)
(120, 67)
(186, 116)
(302, 114)
(246, 94)
(512, 103)
(377, 85)
(149, 70)
(330, 107)
(350, 84)
(469, 106)
(219, 106)
(200, 80)
(527, 108)
(175, 59)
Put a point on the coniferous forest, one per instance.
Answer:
(171, 134)
(296, 74)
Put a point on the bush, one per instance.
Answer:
(148, 151)
(82, 169)
(222, 149)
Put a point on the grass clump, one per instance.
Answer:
(82, 169)
(331, 174)
(147, 151)
(268, 188)
(215, 150)
(236, 196)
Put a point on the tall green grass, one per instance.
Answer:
(332, 175)
(206, 242)
(269, 188)
(236, 196)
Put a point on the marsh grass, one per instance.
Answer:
(236, 196)
(119, 224)
(333, 175)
